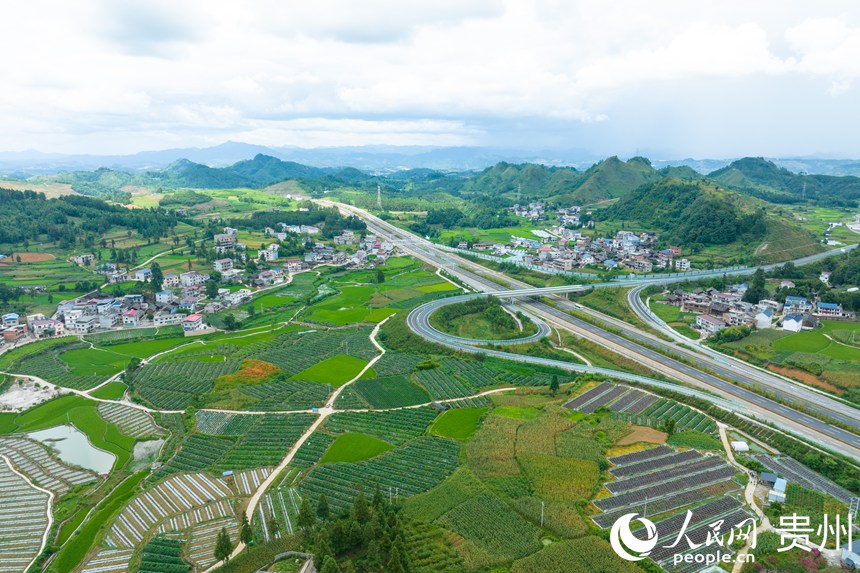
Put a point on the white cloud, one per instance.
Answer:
(87, 73)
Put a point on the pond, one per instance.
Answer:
(74, 448)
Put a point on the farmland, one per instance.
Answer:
(459, 424)
(236, 442)
(403, 470)
(23, 519)
(354, 448)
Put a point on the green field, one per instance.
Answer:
(335, 370)
(94, 362)
(354, 448)
(458, 424)
(821, 341)
(391, 392)
(110, 391)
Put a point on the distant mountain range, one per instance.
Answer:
(608, 179)
(378, 159)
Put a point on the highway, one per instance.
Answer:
(742, 399)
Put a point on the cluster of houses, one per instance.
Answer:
(720, 309)
(182, 299)
(564, 249)
(297, 229)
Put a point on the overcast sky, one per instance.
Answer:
(667, 78)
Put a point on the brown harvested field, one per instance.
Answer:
(29, 257)
(805, 377)
(49, 189)
(643, 434)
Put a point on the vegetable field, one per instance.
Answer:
(407, 471)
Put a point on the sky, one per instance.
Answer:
(667, 79)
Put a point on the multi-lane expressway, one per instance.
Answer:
(717, 375)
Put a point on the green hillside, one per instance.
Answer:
(535, 181)
(761, 178)
(698, 215)
(612, 178)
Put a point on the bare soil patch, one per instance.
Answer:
(805, 377)
(643, 434)
(29, 257)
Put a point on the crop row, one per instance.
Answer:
(393, 363)
(162, 556)
(197, 452)
(34, 460)
(22, 520)
(131, 421)
(49, 366)
(441, 384)
(391, 392)
(176, 385)
(175, 495)
(668, 503)
(408, 470)
(394, 426)
(267, 442)
(222, 423)
(312, 450)
(288, 394)
(486, 521)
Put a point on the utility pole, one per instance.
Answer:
(541, 513)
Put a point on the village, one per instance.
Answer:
(718, 310)
(185, 298)
(564, 248)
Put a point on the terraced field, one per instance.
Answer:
(34, 460)
(405, 470)
(23, 520)
(131, 421)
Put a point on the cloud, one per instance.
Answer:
(153, 28)
(131, 74)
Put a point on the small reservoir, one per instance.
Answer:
(74, 448)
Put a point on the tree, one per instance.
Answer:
(756, 289)
(323, 511)
(330, 565)
(157, 277)
(245, 533)
(211, 289)
(378, 498)
(230, 322)
(395, 563)
(380, 276)
(223, 546)
(669, 426)
(133, 365)
(360, 510)
(553, 386)
(322, 549)
(306, 518)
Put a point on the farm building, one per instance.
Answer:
(192, 322)
(792, 323)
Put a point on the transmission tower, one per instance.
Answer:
(379, 197)
(519, 191)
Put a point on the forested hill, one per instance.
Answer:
(764, 179)
(609, 179)
(72, 219)
(690, 212)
